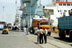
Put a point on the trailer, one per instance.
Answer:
(65, 26)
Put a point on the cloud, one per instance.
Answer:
(46, 2)
(7, 1)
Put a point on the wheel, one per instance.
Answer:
(61, 34)
(2, 32)
(7, 33)
(49, 33)
(70, 35)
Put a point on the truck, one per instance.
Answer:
(2, 23)
(9, 25)
(40, 23)
(65, 26)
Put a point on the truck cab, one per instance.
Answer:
(44, 24)
(40, 23)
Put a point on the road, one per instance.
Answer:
(53, 41)
(19, 40)
(66, 40)
(16, 40)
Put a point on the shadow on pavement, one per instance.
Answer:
(64, 39)
(68, 40)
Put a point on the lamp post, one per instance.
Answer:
(3, 12)
(30, 14)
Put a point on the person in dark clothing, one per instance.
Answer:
(41, 38)
(41, 35)
(45, 35)
(45, 38)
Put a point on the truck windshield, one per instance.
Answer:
(44, 23)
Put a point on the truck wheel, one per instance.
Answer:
(61, 34)
(49, 33)
(7, 33)
(70, 35)
(2, 32)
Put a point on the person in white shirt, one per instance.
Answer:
(24, 30)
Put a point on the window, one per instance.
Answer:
(68, 4)
(71, 4)
(59, 10)
(64, 4)
(60, 4)
(65, 10)
(44, 23)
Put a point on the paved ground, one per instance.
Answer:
(19, 40)
(16, 40)
(51, 42)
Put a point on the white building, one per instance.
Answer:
(58, 10)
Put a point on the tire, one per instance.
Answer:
(70, 35)
(7, 33)
(2, 32)
(49, 33)
(61, 34)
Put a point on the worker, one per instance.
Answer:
(41, 35)
(45, 35)
(24, 30)
(38, 35)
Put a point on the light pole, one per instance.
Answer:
(30, 14)
(3, 12)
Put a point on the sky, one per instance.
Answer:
(9, 11)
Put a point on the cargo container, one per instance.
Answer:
(65, 26)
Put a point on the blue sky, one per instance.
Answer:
(10, 8)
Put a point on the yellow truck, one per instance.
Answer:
(5, 30)
(40, 23)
